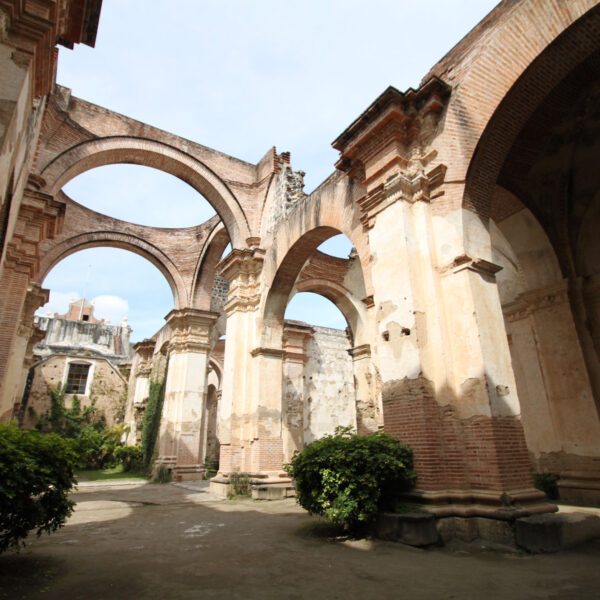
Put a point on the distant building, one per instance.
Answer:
(87, 356)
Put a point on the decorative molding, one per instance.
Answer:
(36, 296)
(360, 352)
(40, 217)
(397, 124)
(190, 329)
(263, 351)
(464, 262)
(414, 186)
(532, 301)
(369, 301)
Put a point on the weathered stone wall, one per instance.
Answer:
(68, 336)
(326, 398)
(107, 387)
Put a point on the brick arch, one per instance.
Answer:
(119, 149)
(124, 241)
(347, 304)
(535, 48)
(285, 283)
(206, 269)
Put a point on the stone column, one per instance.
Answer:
(237, 411)
(368, 417)
(185, 392)
(141, 387)
(295, 341)
(440, 346)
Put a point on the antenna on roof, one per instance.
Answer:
(87, 279)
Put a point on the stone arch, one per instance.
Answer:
(526, 68)
(112, 150)
(285, 284)
(125, 241)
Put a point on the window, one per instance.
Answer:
(77, 378)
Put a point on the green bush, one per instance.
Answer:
(131, 458)
(36, 474)
(349, 478)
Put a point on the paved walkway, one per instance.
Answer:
(138, 541)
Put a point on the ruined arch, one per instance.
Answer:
(124, 241)
(287, 282)
(527, 68)
(117, 149)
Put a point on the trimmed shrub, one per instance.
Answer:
(131, 458)
(36, 474)
(349, 478)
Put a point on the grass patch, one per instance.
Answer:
(108, 474)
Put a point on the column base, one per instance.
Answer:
(179, 472)
(499, 505)
(579, 488)
(264, 486)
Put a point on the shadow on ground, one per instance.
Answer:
(148, 541)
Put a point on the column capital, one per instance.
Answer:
(241, 268)
(530, 302)
(295, 340)
(464, 262)
(190, 329)
(362, 351)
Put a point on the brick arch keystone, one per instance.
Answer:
(114, 150)
(113, 239)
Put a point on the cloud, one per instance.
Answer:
(111, 307)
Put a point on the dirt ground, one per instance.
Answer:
(153, 541)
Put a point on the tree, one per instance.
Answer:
(36, 475)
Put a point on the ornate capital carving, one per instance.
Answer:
(395, 129)
(40, 217)
(145, 349)
(190, 329)
(242, 269)
(410, 186)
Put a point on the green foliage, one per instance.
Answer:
(131, 458)
(152, 414)
(93, 443)
(349, 478)
(163, 475)
(240, 484)
(547, 483)
(36, 474)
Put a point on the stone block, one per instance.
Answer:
(554, 532)
(273, 491)
(414, 529)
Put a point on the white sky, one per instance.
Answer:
(240, 77)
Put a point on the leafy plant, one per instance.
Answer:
(163, 475)
(152, 413)
(240, 484)
(36, 474)
(349, 478)
(547, 483)
(131, 458)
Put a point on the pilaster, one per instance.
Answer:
(181, 435)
